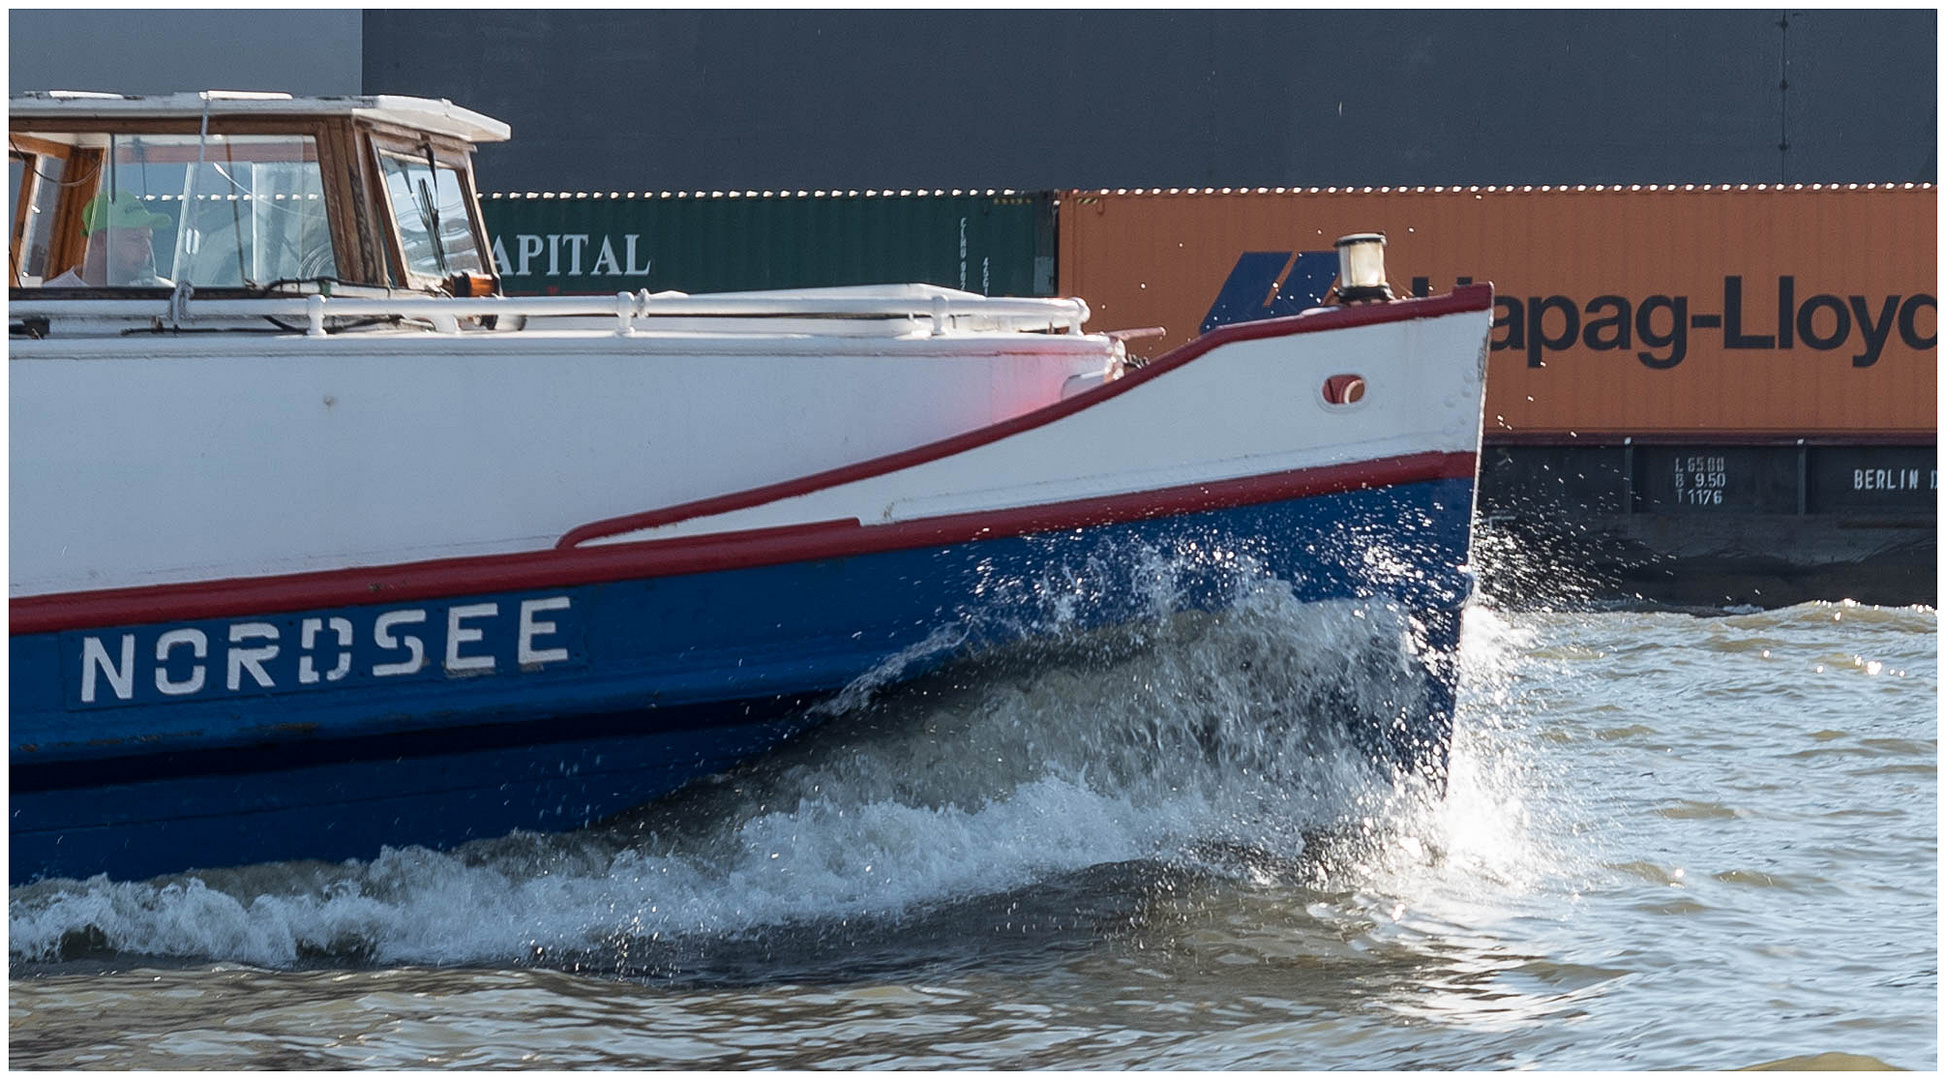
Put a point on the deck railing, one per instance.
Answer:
(629, 310)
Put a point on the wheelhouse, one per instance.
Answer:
(245, 194)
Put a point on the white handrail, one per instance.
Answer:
(626, 308)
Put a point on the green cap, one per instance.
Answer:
(125, 211)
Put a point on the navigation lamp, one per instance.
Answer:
(1361, 268)
(469, 283)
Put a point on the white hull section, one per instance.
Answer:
(208, 457)
(1243, 409)
(160, 458)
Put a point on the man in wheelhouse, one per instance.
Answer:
(121, 245)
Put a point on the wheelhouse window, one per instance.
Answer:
(434, 214)
(211, 210)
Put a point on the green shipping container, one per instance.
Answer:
(997, 243)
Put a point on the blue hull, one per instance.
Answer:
(329, 733)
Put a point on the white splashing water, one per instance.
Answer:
(1156, 743)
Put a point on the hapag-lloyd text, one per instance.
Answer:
(1660, 324)
(1655, 329)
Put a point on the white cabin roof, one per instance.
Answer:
(438, 116)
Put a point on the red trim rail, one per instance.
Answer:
(566, 567)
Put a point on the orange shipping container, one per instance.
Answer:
(1749, 310)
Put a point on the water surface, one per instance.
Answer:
(1670, 841)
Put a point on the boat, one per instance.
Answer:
(322, 545)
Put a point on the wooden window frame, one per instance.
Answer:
(457, 155)
(30, 182)
(31, 151)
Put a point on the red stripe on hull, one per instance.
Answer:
(564, 567)
(1462, 299)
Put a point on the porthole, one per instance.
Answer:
(1344, 390)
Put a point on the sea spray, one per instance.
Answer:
(1196, 742)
